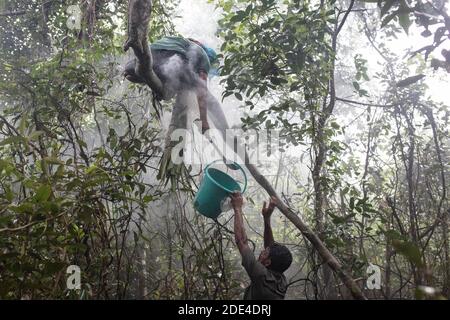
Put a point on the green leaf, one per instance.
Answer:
(227, 94)
(35, 134)
(334, 125)
(392, 234)
(9, 195)
(91, 169)
(352, 203)
(409, 250)
(405, 21)
(23, 124)
(23, 208)
(53, 160)
(82, 143)
(43, 193)
(147, 198)
(52, 268)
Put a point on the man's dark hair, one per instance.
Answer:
(280, 257)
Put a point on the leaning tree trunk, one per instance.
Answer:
(138, 21)
(442, 214)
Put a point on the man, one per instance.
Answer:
(181, 64)
(266, 274)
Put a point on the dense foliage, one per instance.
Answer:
(364, 152)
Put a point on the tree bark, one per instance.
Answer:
(139, 14)
(139, 19)
(442, 215)
(413, 224)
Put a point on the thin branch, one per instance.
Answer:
(31, 224)
(21, 12)
(13, 14)
(345, 17)
(365, 103)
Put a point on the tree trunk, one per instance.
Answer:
(324, 253)
(328, 286)
(411, 199)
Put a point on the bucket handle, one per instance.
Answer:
(234, 164)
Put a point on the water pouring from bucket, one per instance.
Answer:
(215, 188)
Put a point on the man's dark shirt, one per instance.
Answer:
(265, 284)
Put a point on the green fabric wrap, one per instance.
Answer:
(183, 46)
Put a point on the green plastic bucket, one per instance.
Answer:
(215, 187)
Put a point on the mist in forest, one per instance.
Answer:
(356, 97)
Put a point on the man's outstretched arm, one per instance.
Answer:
(202, 93)
(239, 231)
(267, 213)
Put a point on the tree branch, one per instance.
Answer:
(365, 103)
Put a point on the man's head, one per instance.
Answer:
(276, 257)
(211, 53)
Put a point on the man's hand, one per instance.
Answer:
(205, 126)
(236, 200)
(203, 75)
(267, 211)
